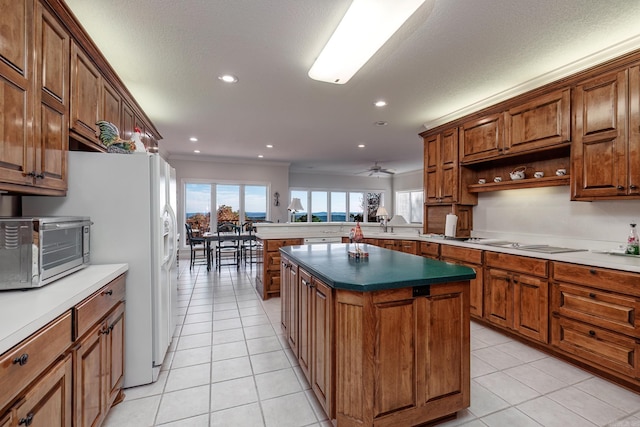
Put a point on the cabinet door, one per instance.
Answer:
(16, 96)
(305, 321)
(285, 305)
(498, 300)
(476, 288)
(481, 139)
(531, 307)
(52, 111)
(443, 341)
(48, 402)
(111, 106)
(634, 132)
(128, 122)
(86, 84)
(322, 379)
(90, 357)
(431, 184)
(114, 374)
(599, 166)
(542, 122)
(448, 164)
(292, 282)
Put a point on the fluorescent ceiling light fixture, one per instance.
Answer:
(196, 151)
(193, 139)
(360, 145)
(260, 156)
(269, 146)
(380, 103)
(366, 26)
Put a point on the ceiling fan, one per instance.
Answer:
(376, 169)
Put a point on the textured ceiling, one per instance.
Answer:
(451, 57)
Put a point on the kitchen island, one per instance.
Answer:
(383, 340)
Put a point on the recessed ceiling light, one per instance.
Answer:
(380, 103)
(193, 139)
(381, 123)
(260, 156)
(360, 145)
(196, 151)
(269, 146)
(228, 78)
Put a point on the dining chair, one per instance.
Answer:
(195, 244)
(228, 245)
(249, 244)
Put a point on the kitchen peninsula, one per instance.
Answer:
(383, 340)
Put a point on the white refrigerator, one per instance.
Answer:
(131, 200)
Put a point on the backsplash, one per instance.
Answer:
(548, 211)
(10, 205)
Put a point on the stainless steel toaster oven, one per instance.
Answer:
(37, 251)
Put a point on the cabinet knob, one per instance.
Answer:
(620, 187)
(108, 293)
(27, 420)
(40, 175)
(592, 333)
(592, 295)
(32, 174)
(21, 360)
(632, 187)
(592, 271)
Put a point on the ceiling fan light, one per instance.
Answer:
(366, 26)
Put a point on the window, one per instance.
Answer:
(197, 206)
(318, 206)
(336, 206)
(232, 202)
(409, 204)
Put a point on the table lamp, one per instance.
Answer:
(294, 207)
(382, 213)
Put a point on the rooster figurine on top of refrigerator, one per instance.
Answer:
(110, 138)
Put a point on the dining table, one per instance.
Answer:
(215, 237)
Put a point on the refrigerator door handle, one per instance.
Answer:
(174, 234)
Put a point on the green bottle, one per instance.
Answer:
(633, 247)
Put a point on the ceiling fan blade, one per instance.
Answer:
(387, 171)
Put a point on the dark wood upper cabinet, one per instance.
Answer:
(542, 122)
(482, 139)
(599, 160)
(86, 85)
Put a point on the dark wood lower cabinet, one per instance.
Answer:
(72, 370)
(48, 403)
(400, 359)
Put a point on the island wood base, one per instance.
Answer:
(400, 359)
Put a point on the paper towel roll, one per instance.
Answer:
(450, 225)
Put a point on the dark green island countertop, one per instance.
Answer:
(383, 269)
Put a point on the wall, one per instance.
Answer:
(549, 212)
(220, 170)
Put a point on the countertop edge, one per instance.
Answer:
(408, 283)
(23, 313)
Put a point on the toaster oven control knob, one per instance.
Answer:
(21, 360)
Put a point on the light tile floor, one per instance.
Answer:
(229, 365)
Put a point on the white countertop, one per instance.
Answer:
(24, 312)
(589, 258)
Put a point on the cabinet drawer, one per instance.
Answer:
(93, 309)
(473, 256)
(430, 249)
(604, 309)
(602, 278)
(274, 245)
(597, 346)
(533, 266)
(409, 247)
(273, 261)
(37, 353)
